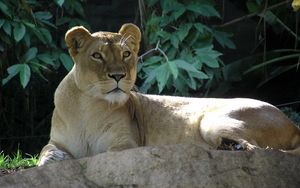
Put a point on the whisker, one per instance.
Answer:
(129, 36)
(122, 39)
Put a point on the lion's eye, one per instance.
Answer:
(97, 55)
(126, 54)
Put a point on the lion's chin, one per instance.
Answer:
(117, 97)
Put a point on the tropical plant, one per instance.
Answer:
(30, 39)
(185, 57)
(268, 61)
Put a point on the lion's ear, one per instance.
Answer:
(75, 38)
(133, 34)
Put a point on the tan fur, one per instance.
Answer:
(91, 117)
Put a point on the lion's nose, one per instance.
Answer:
(117, 76)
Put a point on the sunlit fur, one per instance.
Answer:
(92, 116)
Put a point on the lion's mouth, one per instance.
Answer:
(116, 90)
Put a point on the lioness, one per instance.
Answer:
(96, 111)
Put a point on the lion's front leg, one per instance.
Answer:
(50, 153)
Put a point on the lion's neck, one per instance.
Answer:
(71, 99)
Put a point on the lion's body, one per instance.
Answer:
(96, 111)
(169, 120)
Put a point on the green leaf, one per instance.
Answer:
(162, 76)
(29, 55)
(2, 21)
(192, 83)
(200, 75)
(203, 9)
(59, 2)
(39, 35)
(173, 69)
(25, 74)
(208, 56)
(7, 28)
(12, 71)
(165, 20)
(171, 6)
(152, 60)
(66, 61)
(36, 68)
(47, 35)
(49, 23)
(78, 8)
(200, 27)
(210, 61)
(179, 12)
(208, 50)
(36, 64)
(185, 65)
(164, 36)
(171, 52)
(43, 15)
(180, 85)
(149, 81)
(28, 24)
(5, 9)
(174, 41)
(223, 39)
(183, 31)
(46, 58)
(27, 40)
(190, 69)
(167, 5)
(19, 31)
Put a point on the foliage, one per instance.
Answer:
(268, 61)
(17, 161)
(187, 58)
(30, 36)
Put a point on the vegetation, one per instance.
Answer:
(29, 36)
(188, 51)
(269, 59)
(16, 162)
(186, 57)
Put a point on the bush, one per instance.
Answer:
(31, 39)
(186, 58)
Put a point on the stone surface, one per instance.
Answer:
(166, 166)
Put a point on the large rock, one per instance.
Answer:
(166, 166)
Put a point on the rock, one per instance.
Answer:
(166, 166)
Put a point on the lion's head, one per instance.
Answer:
(105, 62)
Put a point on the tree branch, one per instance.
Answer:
(152, 50)
(252, 14)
